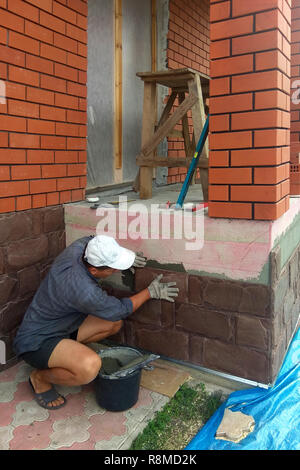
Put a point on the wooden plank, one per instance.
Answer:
(149, 117)
(167, 109)
(153, 35)
(171, 162)
(118, 103)
(170, 123)
(185, 129)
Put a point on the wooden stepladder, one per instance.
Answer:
(191, 89)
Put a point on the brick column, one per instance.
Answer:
(295, 95)
(250, 108)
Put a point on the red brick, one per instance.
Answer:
(272, 60)
(12, 56)
(256, 42)
(53, 23)
(3, 36)
(14, 188)
(76, 61)
(25, 172)
(40, 156)
(54, 171)
(64, 13)
(231, 66)
(219, 158)
(272, 19)
(14, 90)
(82, 22)
(42, 186)
(78, 195)
(220, 49)
(66, 101)
(11, 123)
(24, 43)
(218, 193)
(66, 157)
(23, 108)
(76, 89)
(77, 170)
(67, 129)
(219, 11)
(9, 156)
(219, 123)
(11, 21)
(52, 199)
(76, 144)
(256, 157)
(271, 175)
(230, 175)
(231, 103)
(219, 86)
(42, 4)
(3, 139)
(49, 142)
(65, 43)
(243, 7)
(53, 53)
(82, 49)
(39, 64)
(257, 81)
(38, 126)
(23, 9)
(271, 138)
(24, 141)
(271, 99)
(4, 173)
(63, 71)
(38, 32)
(40, 96)
(231, 28)
(76, 116)
(82, 157)
(231, 210)
(271, 193)
(76, 33)
(53, 83)
(65, 196)
(256, 119)
(23, 203)
(231, 140)
(270, 211)
(79, 6)
(55, 114)
(64, 184)
(38, 200)
(7, 205)
(20, 75)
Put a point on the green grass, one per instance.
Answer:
(178, 422)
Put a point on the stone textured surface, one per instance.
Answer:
(29, 242)
(80, 425)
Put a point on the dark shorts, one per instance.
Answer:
(39, 358)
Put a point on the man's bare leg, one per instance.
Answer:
(72, 363)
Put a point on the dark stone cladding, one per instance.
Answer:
(29, 242)
(238, 328)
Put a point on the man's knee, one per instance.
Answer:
(116, 326)
(89, 368)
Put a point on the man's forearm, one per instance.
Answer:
(140, 298)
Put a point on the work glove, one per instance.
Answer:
(163, 290)
(139, 262)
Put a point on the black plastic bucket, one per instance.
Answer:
(118, 393)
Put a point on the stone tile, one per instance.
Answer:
(8, 390)
(6, 413)
(6, 435)
(105, 427)
(28, 412)
(91, 406)
(69, 431)
(195, 291)
(145, 276)
(32, 437)
(170, 343)
(252, 332)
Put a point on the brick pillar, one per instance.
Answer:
(295, 94)
(250, 108)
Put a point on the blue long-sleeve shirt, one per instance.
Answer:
(66, 296)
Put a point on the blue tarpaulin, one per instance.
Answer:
(276, 412)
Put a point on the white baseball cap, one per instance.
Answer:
(105, 251)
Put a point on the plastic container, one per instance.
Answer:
(118, 393)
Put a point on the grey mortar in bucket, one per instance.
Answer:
(120, 392)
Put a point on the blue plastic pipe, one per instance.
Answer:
(193, 165)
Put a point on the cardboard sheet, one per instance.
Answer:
(164, 379)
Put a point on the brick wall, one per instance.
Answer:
(188, 46)
(295, 87)
(250, 108)
(43, 63)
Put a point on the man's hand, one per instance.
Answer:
(163, 290)
(139, 262)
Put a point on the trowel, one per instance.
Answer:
(132, 366)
